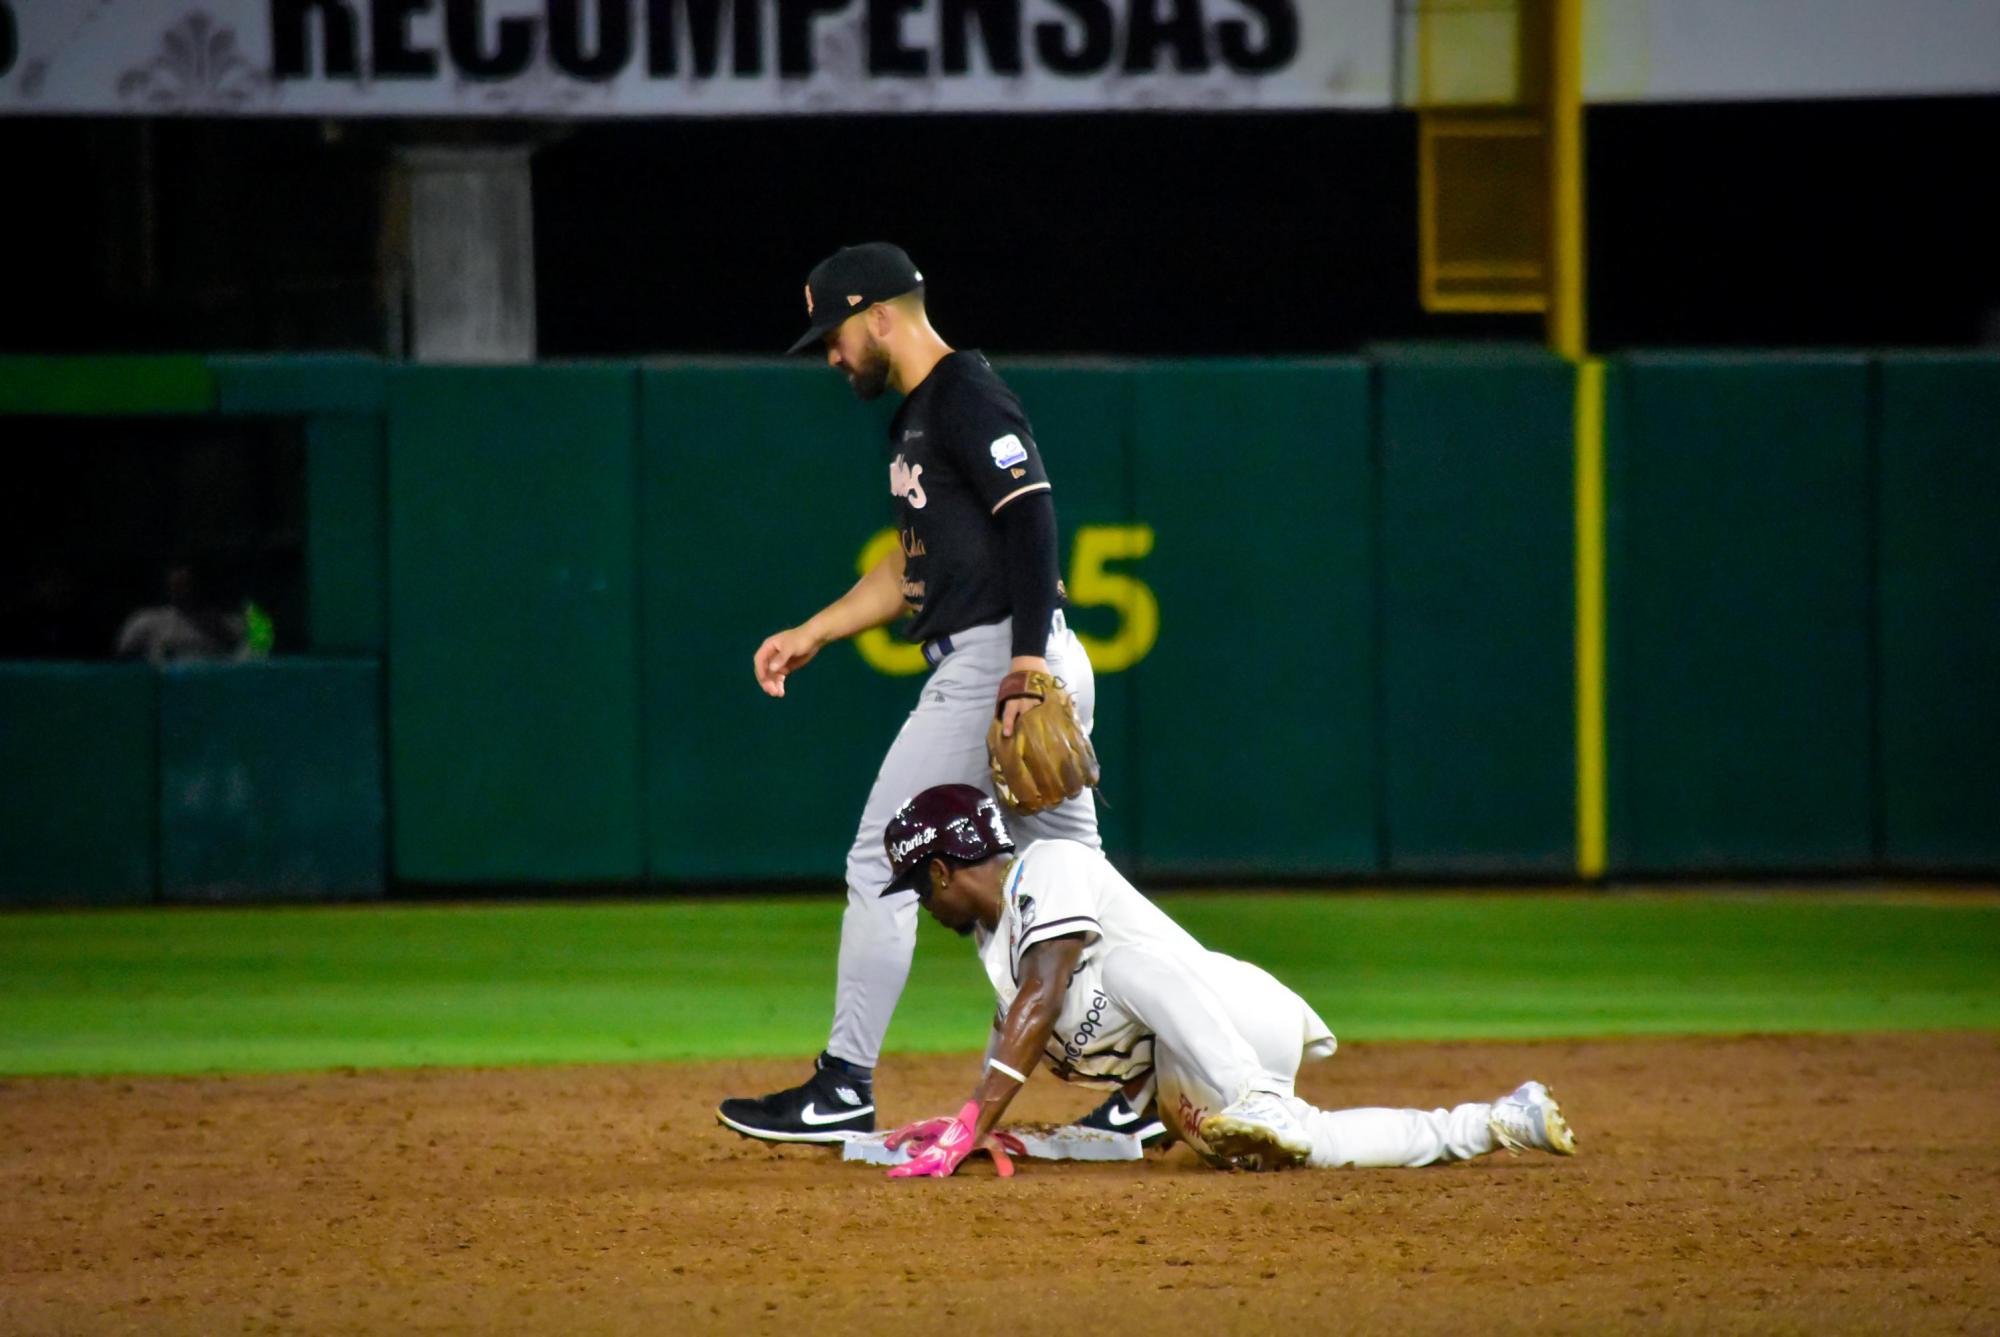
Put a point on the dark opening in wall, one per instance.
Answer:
(96, 513)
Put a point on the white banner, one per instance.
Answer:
(1734, 50)
(592, 58)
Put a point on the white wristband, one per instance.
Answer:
(998, 1066)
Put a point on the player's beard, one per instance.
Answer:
(870, 376)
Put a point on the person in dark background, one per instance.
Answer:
(185, 627)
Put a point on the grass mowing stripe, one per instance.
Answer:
(276, 989)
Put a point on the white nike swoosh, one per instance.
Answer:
(1120, 1120)
(812, 1116)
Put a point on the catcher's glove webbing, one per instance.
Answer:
(1049, 758)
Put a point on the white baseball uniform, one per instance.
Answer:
(1203, 1029)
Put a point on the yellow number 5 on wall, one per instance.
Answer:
(1090, 585)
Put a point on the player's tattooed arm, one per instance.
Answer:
(1022, 1035)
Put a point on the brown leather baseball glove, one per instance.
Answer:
(1049, 758)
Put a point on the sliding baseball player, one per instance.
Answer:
(1098, 983)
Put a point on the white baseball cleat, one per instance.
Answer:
(1528, 1118)
(1258, 1132)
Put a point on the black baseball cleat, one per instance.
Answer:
(1116, 1115)
(831, 1107)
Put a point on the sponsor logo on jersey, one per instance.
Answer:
(1008, 451)
(1025, 908)
(1093, 1022)
(906, 480)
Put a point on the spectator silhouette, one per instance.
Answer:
(184, 628)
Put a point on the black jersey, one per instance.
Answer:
(961, 452)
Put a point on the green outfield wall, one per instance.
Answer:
(1332, 604)
(270, 781)
(1254, 489)
(1937, 609)
(723, 561)
(1474, 480)
(1739, 567)
(79, 784)
(513, 624)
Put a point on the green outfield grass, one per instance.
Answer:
(262, 990)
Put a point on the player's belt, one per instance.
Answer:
(938, 647)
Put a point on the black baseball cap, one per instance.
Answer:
(852, 279)
(954, 822)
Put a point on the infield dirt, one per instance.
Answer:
(1763, 1184)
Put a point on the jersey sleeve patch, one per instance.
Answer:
(1007, 451)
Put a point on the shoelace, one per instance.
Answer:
(1515, 1133)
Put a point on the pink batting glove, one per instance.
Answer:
(919, 1135)
(996, 1144)
(954, 1144)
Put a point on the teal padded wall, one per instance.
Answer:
(1082, 415)
(566, 568)
(513, 646)
(1738, 570)
(77, 784)
(759, 485)
(1476, 468)
(271, 781)
(1258, 482)
(341, 384)
(345, 534)
(1939, 611)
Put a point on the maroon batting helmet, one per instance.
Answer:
(954, 822)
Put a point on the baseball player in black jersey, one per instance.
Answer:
(976, 572)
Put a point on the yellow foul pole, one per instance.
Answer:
(1591, 784)
(1568, 336)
